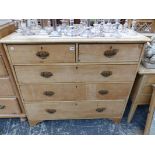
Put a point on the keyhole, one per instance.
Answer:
(76, 67)
(76, 86)
(110, 47)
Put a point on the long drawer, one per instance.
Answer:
(9, 106)
(6, 87)
(75, 73)
(3, 71)
(109, 52)
(34, 54)
(74, 110)
(75, 91)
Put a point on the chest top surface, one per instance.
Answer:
(18, 38)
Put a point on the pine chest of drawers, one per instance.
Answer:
(10, 101)
(73, 79)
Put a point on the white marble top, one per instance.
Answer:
(18, 38)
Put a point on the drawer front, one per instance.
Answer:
(75, 73)
(150, 79)
(108, 91)
(74, 110)
(9, 106)
(3, 71)
(71, 92)
(109, 52)
(53, 92)
(34, 54)
(147, 90)
(6, 88)
(144, 99)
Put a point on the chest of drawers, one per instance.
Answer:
(74, 79)
(10, 101)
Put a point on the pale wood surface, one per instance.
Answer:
(79, 82)
(3, 71)
(142, 90)
(75, 73)
(74, 110)
(6, 29)
(26, 54)
(75, 91)
(142, 70)
(150, 113)
(15, 38)
(6, 88)
(95, 52)
(9, 106)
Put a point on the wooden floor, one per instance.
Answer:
(78, 127)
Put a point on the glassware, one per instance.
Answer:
(48, 28)
(96, 29)
(133, 25)
(87, 30)
(63, 27)
(71, 31)
(54, 33)
(33, 28)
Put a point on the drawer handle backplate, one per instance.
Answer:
(106, 73)
(46, 74)
(100, 109)
(2, 106)
(51, 111)
(103, 92)
(48, 93)
(110, 53)
(42, 54)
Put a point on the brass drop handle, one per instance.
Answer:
(46, 74)
(48, 93)
(106, 73)
(100, 109)
(51, 111)
(42, 54)
(103, 92)
(111, 52)
(2, 106)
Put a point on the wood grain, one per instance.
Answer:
(3, 71)
(74, 110)
(75, 91)
(75, 73)
(96, 52)
(27, 54)
(9, 106)
(6, 88)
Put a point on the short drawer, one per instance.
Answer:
(35, 54)
(74, 110)
(75, 73)
(9, 106)
(53, 92)
(6, 88)
(3, 71)
(147, 90)
(73, 91)
(144, 99)
(150, 79)
(109, 52)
